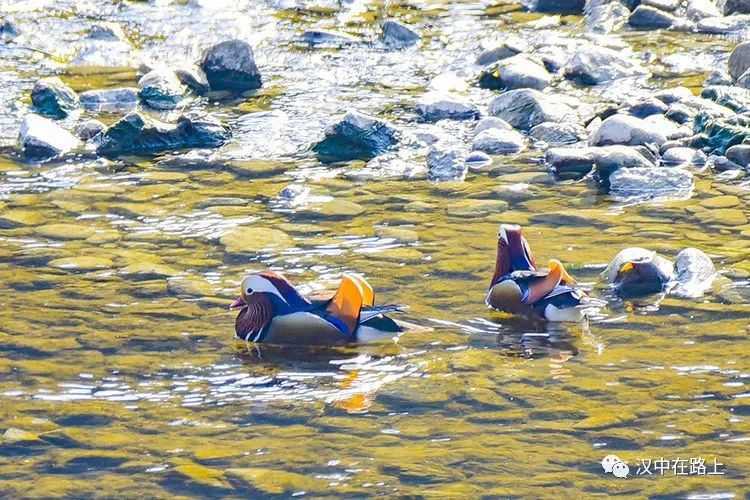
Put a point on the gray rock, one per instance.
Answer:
(499, 141)
(193, 78)
(610, 159)
(570, 163)
(356, 136)
(476, 160)
(722, 163)
(592, 65)
(728, 25)
(490, 122)
(647, 17)
(316, 37)
(731, 7)
(694, 274)
(507, 49)
(679, 113)
(161, 89)
(605, 16)
(89, 129)
(517, 72)
(137, 134)
(553, 57)
(735, 98)
(111, 32)
(52, 98)
(739, 60)
(667, 127)
(648, 107)
(397, 35)
(682, 156)
(701, 9)
(558, 134)
(526, 108)
(42, 139)
(445, 163)
(718, 77)
(8, 30)
(435, 106)
(664, 5)
(558, 6)
(109, 100)
(626, 130)
(652, 182)
(739, 154)
(744, 80)
(230, 65)
(673, 95)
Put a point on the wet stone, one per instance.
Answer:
(515, 73)
(161, 89)
(230, 65)
(435, 106)
(398, 35)
(42, 139)
(558, 134)
(526, 108)
(89, 129)
(504, 50)
(193, 78)
(651, 182)
(740, 154)
(701, 9)
(52, 98)
(356, 136)
(681, 155)
(499, 141)
(327, 38)
(627, 130)
(647, 17)
(592, 65)
(138, 134)
(445, 163)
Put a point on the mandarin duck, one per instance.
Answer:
(272, 311)
(519, 287)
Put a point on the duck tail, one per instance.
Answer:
(371, 312)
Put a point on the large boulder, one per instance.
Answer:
(42, 139)
(592, 65)
(230, 65)
(627, 130)
(136, 134)
(517, 72)
(52, 98)
(356, 136)
(161, 89)
(739, 60)
(526, 108)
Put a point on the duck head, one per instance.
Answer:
(513, 252)
(263, 296)
(636, 272)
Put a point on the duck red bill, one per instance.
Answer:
(238, 303)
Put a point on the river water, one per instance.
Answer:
(119, 376)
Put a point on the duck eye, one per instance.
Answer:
(249, 291)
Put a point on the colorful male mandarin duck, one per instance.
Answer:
(274, 312)
(518, 287)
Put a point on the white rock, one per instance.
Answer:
(41, 138)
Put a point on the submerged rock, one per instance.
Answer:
(499, 141)
(52, 98)
(445, 163)
(651, 182)
(356, 137)
(230, 65)
(109, 100)
(515, 73)
(42, 139)
(137, 134)
(593, 65)
(435, 106)
(398, 35)
(161, 89)
(526, 108)
(694, 273)
(627, 130)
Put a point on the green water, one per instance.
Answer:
(119, 376)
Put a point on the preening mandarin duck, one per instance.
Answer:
(636, 272)
(519, 287)
(272, 311)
